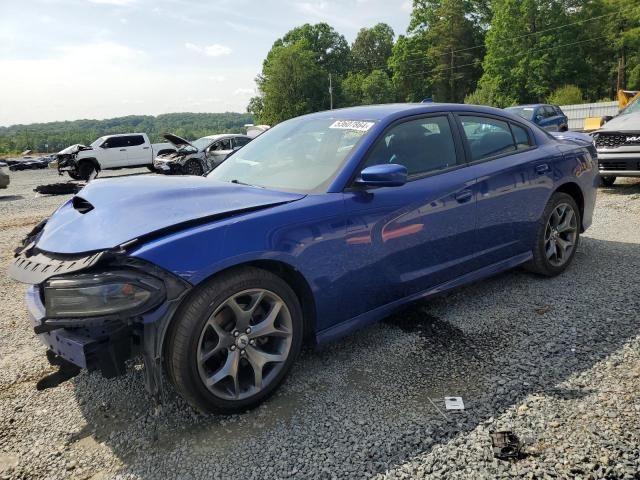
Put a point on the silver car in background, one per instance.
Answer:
(4, 175)
(618, 145)
(200, 156)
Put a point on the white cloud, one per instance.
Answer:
(215, 50)
(117, 3)
(244, 91)
(407, 6)
(124, 21)
(216, 78)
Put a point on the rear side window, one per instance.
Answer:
(487, 137)
(240, 141)
(423, 146)
(135, 140)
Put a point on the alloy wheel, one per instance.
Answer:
(561, 234)
(244, 344)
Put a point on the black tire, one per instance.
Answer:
(74, 175)
(540, 263)
(607, 181)
(194, 167)
(183, 342)
(564, 128)
(85, 170)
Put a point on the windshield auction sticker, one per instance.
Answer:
(352, 125)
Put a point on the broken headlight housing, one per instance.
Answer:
(102, 294)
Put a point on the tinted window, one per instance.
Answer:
(135, 140)
(487, 137)
(116, 142)
(240, 141)
(548, 112)
(423, 146)
(521, 136)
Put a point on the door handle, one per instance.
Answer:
(123, 149)
(145, 148)
(464, 196)
(542, 169)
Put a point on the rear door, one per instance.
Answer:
(138, 150)
(407, 239)
(114, 153)
(514, 178)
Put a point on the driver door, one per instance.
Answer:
(219, 151)
(405, 240)
(114, 153)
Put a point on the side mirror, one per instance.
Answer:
(383, 175)
(538, 118)
(104, 145)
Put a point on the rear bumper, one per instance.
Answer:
(104, 347)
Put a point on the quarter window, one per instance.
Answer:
(240, 141)
(521, 137)
(422, 146)
(487, 137)
(135, 140)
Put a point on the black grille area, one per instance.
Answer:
(36, 268)
(621, 166)
(615, 140)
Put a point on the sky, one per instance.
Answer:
(72, 59)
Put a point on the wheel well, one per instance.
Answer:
(90, 160)
(574, 190)
(300, 287)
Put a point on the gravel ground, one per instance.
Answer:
(555, 361)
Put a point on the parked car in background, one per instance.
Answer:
(127, 150)
(30, 163)
(618, 144)
(320, 226)
(200, 156)
(4, 175)
(549, 117)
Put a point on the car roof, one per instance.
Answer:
(392, 110)
(532, 105)
(223, 135)
(120, 134)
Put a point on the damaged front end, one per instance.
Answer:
(173, 163)
(95, 311)
(67, 159)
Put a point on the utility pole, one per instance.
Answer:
(330, 94)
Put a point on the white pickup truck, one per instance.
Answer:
(127, 150)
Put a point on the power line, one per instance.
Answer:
(502, 58)
(514, 38)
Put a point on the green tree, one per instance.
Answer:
(292, 84)
(352, 89)
(566, 95)
(372, 48)
(453, 52)
(377, 88)
(410, 68)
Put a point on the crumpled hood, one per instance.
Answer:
(177, 141)
(74, 149)
(629, 122)
(118, 210)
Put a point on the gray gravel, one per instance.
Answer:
(556, 361)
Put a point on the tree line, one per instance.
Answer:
(493, 52)
(54, 136)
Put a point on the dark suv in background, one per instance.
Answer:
(549, 117)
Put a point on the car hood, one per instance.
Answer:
(74, 149)
(177, 141)
(622, 123)
(110, 212)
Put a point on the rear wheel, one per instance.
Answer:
(557, 237)
(74, 175)
(234, 341)
(193, 167)
(607, 181)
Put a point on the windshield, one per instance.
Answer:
(98, 142)
(300, 155)
(202, 143)
(633, 107)
(524, 112)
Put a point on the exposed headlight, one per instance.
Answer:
(102, 294)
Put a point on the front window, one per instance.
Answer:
(98, 142)
(301, 155)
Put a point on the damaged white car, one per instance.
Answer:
(128, 150)
(199, 156)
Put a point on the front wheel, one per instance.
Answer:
(234, 341)
(194, 167)
(557, 236)
(607, 181)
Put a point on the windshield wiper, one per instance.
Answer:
(238, 182)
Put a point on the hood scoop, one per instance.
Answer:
(81, 205)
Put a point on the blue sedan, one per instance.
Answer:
(321, 226)
(549, 117)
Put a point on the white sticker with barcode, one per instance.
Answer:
(352, 125)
